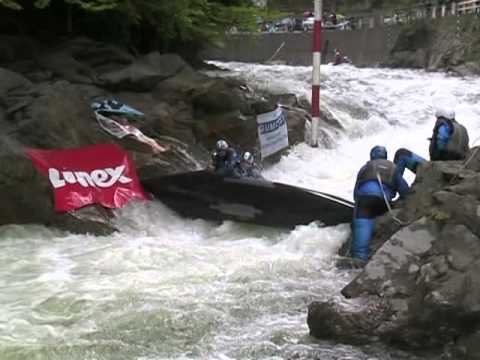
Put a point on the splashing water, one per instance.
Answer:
(164, 287)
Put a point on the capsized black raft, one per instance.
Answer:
(205, 195)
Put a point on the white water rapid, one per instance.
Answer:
(169, 288)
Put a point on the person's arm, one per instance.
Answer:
(231, 159)
(403, 187)
(443, 136)
(236, 172)
(355, 189)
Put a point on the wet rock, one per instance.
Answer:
(467, 69)
(145, 73)
(16, 48)
(45, 103)
(424, 269)
(392, 263)
(63, 66)
(466, 348)
(333, 321)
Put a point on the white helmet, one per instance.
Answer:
(446, 113)
(248, 157)
(222, 145)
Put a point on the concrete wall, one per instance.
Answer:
(366, 47)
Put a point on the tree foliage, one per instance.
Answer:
(92, 5)
(150, 24)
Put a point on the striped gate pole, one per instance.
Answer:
(317, 60)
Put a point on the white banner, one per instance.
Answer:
(272, 132)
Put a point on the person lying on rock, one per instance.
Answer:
(246, 168)
(224, 158)
(448, 142)
(378, 181)
(136, 133)
(114, 117)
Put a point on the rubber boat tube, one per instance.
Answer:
(205, 195)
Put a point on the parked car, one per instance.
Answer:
(285, 24)
(343, 25)
(307, 23)
(395, 19)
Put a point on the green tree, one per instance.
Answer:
(167, 25)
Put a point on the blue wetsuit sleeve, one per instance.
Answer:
(443, 136)
(403, 187)
(355, 189)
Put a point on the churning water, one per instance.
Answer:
(169, 288)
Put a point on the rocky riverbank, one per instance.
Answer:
(45, 96)
(421, 288)
(449, 44)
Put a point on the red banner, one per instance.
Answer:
(98, 174)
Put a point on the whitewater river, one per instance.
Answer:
(169, 288)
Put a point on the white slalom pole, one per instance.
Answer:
(317, 60)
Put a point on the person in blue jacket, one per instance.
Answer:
(450, 138)
(378, 181)
(224, 159)
(448, 142)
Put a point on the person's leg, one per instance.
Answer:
(404, 158)
(367, 208)
(362, 228)
(362, 232)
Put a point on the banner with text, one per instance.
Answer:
(98, 174)
(272, 132)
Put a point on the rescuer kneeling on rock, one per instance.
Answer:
(448, 142)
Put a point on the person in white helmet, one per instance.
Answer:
(245, 168)
(450, 138)
(224, 158)
(448, 142)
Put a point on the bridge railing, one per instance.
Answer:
(468, 7)
(407, 15)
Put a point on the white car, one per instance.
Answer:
(307, 24)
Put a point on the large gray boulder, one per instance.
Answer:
(145, 73)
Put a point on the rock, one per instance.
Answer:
(473, 159)
(99, 56)
(184, 109)
(408, 59)
(329, 320)
(467, 347)
(467, 69)
(16, 48)
(435, 46)
(296, 119)
(460, 209)
(145, 73)
(224, 96)
(63, 66)
(393, 261)
(425, 271)
(12, 83)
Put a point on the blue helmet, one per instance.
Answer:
(378, 152)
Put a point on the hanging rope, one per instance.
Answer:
(389, 207)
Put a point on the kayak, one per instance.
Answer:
(205, 195)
